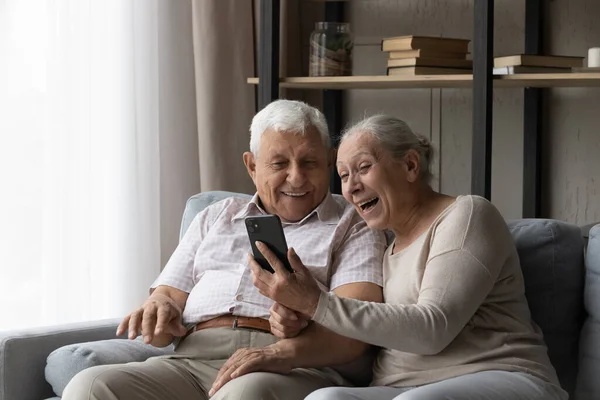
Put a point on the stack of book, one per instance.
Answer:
(423, 55)
(535, 64)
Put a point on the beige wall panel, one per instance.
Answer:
(572, 151)
(507, 146)
(457, 124)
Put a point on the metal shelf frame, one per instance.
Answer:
(482, 86)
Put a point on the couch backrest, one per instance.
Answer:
(551, 254)
(199, 202)
(588, 380)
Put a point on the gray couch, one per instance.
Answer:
(563, 294)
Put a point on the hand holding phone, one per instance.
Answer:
(267, 229)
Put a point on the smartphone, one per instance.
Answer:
(267, 229)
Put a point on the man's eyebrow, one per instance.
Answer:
(273, 156)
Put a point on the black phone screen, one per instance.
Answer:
(267, 229)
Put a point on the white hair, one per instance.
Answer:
(287, 116)
(396, 137)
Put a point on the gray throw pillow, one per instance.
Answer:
(64, 363)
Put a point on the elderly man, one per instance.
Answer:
(205, 301)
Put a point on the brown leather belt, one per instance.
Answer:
(233, 321)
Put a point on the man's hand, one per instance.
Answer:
(298, 291)
(286, 323)
(159, 317)
(244, 361)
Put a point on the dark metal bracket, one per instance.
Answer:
(268, 53)
(532, 116)
(483, 98)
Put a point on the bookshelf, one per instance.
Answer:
(481, 82)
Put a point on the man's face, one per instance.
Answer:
(291, 172)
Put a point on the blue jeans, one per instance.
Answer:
(487, 385)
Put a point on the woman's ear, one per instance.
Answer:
(413, 165)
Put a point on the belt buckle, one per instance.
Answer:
(235, 322)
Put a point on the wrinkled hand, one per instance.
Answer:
(286, 323)
(244, 361)
(159, 315)
(298, 291)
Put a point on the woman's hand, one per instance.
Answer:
(298, 291)
(286, 323)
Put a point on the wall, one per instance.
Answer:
(572, 177)
(570, 191)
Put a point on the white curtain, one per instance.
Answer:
(79, 159)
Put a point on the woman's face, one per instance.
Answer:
(372, 180)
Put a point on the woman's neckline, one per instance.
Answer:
(442, 213)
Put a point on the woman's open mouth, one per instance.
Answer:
(368, 205)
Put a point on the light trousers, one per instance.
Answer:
(487, 385)
(191, 371)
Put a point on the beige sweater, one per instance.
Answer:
(454, 304)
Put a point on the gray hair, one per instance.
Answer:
(288, 116)
(396, 137)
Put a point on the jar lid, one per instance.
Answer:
(341, 27)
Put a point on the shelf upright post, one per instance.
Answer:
(483, 58)
(333, 99)
(532, 116)
(268, 53)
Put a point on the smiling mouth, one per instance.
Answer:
(368, 205)
(295, 194)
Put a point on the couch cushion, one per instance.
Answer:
(551, 254)
(64, 363)
(588, 382)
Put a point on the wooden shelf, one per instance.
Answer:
(374, 82)
(549, 80)
(438, 81)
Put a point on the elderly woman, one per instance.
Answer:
(455, 324)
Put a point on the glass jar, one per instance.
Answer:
(331, 45)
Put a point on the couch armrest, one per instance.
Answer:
(23, 355)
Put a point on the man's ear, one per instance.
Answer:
(413, 165)
(250, 163)
(331, 156)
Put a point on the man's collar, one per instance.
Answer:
(253, 205)
(327, 211)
